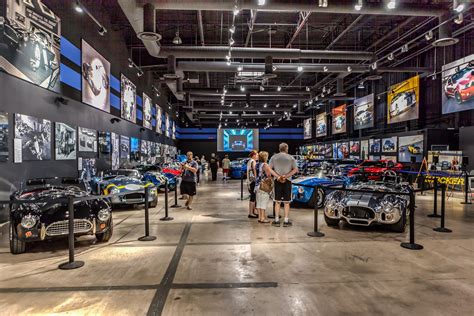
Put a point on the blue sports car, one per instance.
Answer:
(306, 194)
(123, 181)
(238, 168)
(155, 175)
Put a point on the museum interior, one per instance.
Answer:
(236, 157)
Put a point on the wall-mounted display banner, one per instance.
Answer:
(339, 119)
(307, 128)
(104, 143)
(65, 139)
(458, 85)
(354, 150)
(87, 140)
(364, 112)
(3, 136)
(389, 145)
(159, 119)
(173, 130)
(145, 151)
(410, 146)
(167, 125)
(135, 149)
(447, 160)
(374, 146)
(321, 125)
(125, 147)
(95, 78)
(403, 101)
(34, 136)
(364, 149)
(88, 168)
(128, 101)
(30, 43)
(147, 116)
(115, 151)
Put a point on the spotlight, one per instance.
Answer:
(325, 69)
(114, 120)
(404, 48)
(459, 19)
(265, 105)
(300, 68)
(236, 10)
(458, 6)
(232, 29)
(242, 88)
(278, 105)
(433, 76)
(262, 88)
(261, 2)
(307, 89)
(231, 41)
(258, 112)
(227, 56)
(230, 112)
(429, 36)
(140, 73)
(240, 68)
(391, 57)
(131, 64)
(323, 3)
(294, 106)
(78, 7)
(228, 63)
(374, 66)
(224, 91)
(349, 68)
(358, 5)
(361, 85)
(273, 112)
(274, 68)
(177, 39)
(102, 31)
(279, 88)
(391, 4)
(225, 124)
(310, 102)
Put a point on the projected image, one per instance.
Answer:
(3, 136)
(95, 78)
(402, 101)
(35, 137)
(410, 146)
(307, 132)
(321, 125)
(364, 112)
(128, 99)
(30, 36)
(65, 142)
(339, 119)
(238, 140)
(159, 119)
(458, 85)
(147, 111)
(87, 140)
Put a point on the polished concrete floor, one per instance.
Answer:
(213, 260)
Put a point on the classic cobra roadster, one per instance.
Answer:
(385, 206)
(127, 182)
(42, 213)
(155, 175)
(304, 190)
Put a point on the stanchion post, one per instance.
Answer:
(443, 229)
(466, 189)
(147, 236)
(411, 245)
(316, 232)
(166, 218)
(176, 196)
(241, 185)
(422, 185)
(272, 216)
(435, 201)
(71, 264)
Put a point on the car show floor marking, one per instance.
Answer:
(232, 285)
(81, 288)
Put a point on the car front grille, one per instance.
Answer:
(62, 227)
(358, 212)
(134, 196)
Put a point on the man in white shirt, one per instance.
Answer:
(284, 165)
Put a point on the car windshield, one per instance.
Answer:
(372, 164)
(460, 73)
(127, 173)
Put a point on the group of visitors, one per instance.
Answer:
(266, 179)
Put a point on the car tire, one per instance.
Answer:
(331, 221)
(457, 96)
(105, 236)
(153, 203)
(321, 200)
(17, 246)
(399, 227)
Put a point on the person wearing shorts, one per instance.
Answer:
(284, 167)
(189, 179)
(263, 197)
(225, 167)
(251, 177)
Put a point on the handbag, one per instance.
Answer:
(266, 185)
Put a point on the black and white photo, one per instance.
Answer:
(364, 112)
(167, 125)
(124, 147)
(34, 137)
(128, 99)
(159, 119)
(65, 142)
(87, 140)
(30, 43)
(3, 136)
(147, 114)
(95, 78)
(104, 143)
(115, 151)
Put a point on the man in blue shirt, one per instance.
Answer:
(189, 178)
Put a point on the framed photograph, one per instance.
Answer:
(339, 119)
(124, 147)
(33, 135)
(135, 149)
(354, 149)
(321, 125)
(410, 146)
(88, 169)
(115, 151)
(66, 142)
(95, 78)
(147, 114)
(104, 143)
(87, 140)
(403, 101)
(374, 146)
(128, 100)
(364, 112)
(30, 47)
(458, 85)
(389, 145)
(3, 137)
(159, 120)
(173, 130)
(167, 125)
(364, 149)
(307, 128)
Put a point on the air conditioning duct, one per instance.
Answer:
(269, 68)
(340, 88)
(445, 37)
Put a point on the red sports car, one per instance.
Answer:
(461, 85)
(375, 169)
(174, 172)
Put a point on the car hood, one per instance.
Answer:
(311, 181)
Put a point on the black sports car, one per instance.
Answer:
(45, 214)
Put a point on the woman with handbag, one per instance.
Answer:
(263, 186)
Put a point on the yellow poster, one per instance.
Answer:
(403, 101)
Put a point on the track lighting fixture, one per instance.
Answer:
(240, 68)
(102, 31)
(232, 29)
(78, 7)
(262, 88)
(307, 89)
(404, 48)
(325, 69)
(374, 66)
(459, 19)
(242, 88)
(261, 2)
(361, 85)
(323, 3)
(358, 5)
(140, 73)
(236, 10)
(228, 56)
(391, 4)
(228, 63)
(429, 36)
(231, 41)
(279, 88)
(391, 56)
(458, 6)
(349, 68)
(300, 68)
(131, 64)
(265, 105)
(277, 105)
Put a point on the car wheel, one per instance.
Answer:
(331, 221)
(17, 246)
(321, 195)
(399, 227)
(457, 96)
(105, 236)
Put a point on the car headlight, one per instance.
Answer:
(28, 221)
(300, 190)
(103, 215)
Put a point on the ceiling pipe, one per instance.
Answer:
(297, 6)
(340, 88)
(232, 92)
(252, 52)
(445, 35)
(278, 98)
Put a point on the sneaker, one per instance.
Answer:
(276, 224)
(189, 208)
(286, 224)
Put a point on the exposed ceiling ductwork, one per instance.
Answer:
(296, 6)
